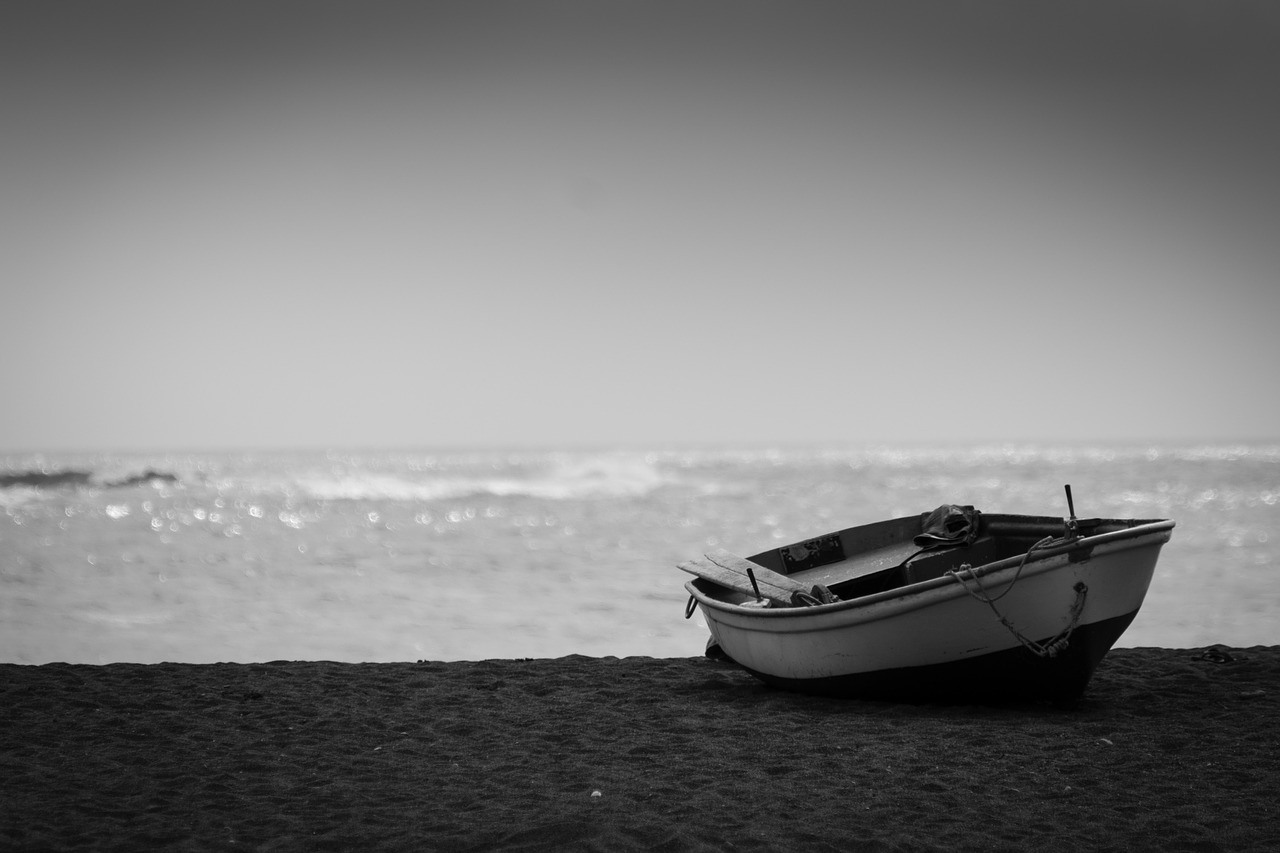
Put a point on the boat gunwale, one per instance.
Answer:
(1035, 563)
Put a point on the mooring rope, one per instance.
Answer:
(1048, 649)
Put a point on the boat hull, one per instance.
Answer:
(1009, 675)
(984, 638)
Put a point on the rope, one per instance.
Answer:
(1052, 647)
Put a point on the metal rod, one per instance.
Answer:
(1072, 530)
(752, 577)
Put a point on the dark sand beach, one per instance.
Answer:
(1170, 749)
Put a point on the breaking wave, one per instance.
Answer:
(564, 479)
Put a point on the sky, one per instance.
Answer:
(434, 224)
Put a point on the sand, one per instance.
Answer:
(1170, 749)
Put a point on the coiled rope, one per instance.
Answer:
(1048, 649)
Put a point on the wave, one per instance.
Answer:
(45, 479)
(59, 479)
(567, 479)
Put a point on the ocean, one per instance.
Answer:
(468, 555)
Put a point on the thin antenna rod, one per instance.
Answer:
(1072, 529)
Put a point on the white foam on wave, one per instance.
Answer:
(565, 478)
(17, 496)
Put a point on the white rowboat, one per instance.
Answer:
(1026, 607)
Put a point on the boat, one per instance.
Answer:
(949, 605)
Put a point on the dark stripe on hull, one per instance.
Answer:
(1016, 674)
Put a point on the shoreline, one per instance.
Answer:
(1169, 749)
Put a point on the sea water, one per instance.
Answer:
(392, 556)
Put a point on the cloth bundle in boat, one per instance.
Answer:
(949, 524)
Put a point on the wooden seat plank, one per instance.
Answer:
(729, 570)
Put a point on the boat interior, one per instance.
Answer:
(879, 557)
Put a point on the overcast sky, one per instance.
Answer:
(435, 224)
